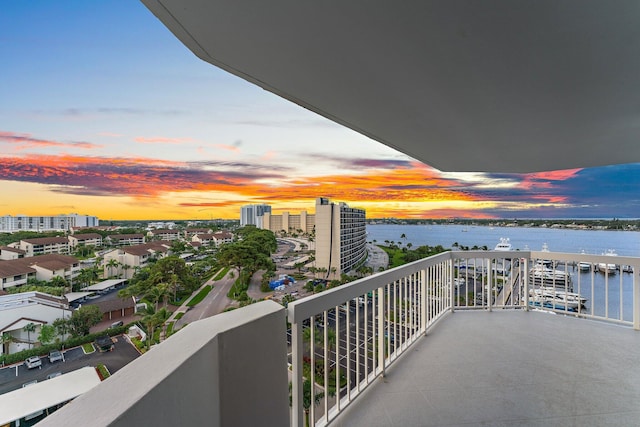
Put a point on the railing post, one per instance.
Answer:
(297, 415)
(636, 300)
(489, 284)
(525, 276)
(451, 286)
(423, 301)
(381, 316)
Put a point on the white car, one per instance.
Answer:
(33, 362)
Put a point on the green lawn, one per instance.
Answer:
(200, 296)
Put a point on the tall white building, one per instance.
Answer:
(11, 224)
(252, 214)
(341, 237)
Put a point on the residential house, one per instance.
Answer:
(19, 310)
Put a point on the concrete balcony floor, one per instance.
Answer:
(509, 368)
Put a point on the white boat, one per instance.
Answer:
(608, 267)
(504, 245)
(541, 271)
(584, 266)
(554, 300)
(571, 297)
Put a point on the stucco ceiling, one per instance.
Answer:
(461, 85)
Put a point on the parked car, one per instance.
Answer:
(104, 343)
(55, 356)
(117, 324)
(33, 362)
(53, 375)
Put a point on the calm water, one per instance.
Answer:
(605, 297)
(592, 242)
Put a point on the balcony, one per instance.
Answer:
(495, 338)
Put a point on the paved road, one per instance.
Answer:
(74, 359)
(215, 302)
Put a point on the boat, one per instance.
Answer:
(504, 245)
(608, 267)
(553, 300)
(583, 265)
(571, 297)
(542, 275)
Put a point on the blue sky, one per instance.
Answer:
(104, 112)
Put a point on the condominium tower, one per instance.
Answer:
(341, 237)
(11, 224)
(252, 214)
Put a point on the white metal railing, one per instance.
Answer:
(344, 338)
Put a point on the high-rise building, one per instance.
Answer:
(11, 224)
(341, 237)
(252, 214)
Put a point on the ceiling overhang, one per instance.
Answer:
(461, 85)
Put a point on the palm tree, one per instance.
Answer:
(28, 328)
(6, 341)
(112, 263)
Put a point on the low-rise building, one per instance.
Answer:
(123, 262)
(125, 239)
(28, 308)
(7, 253)
(88, 239)
(43, 245)
(165, 234)
(17, 272)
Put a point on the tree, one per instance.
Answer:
(152, 319)
(29, 328)
(6, 340)
(47, 334)
(62, 327)
(110, 264)
(83, 319)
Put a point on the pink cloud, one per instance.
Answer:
(25, 141)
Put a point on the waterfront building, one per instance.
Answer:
(252, 214)
(341, 237)
(12, 224)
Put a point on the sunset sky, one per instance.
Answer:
(103, 112)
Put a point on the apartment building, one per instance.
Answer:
(87, 239)
(165, 234)
(17, 272)
(341, 237)
(12, 224)
(125, 239)
(42, 245)
(7, 253)
(129, 258)
(289, 223)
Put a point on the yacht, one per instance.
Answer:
(554, 300)
(570, 297)
(583, 265)
(608, 267)
(504, 245)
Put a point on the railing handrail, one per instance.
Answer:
(331, 298)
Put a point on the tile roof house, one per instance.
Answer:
(129, 258)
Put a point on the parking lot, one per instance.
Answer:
(14, 376)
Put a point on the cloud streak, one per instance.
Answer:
(26, 141)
